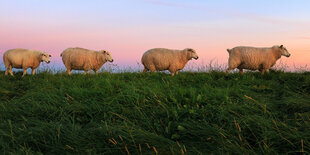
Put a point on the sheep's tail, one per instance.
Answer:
(229, 50)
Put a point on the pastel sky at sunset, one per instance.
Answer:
(127, 28)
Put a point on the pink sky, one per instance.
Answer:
(127, 34)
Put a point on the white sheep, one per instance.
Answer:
(84, 59)
(160, 59)
(253, 58)
(24, 59)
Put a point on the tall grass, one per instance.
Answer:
(192, 113)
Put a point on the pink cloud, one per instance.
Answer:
(305, 38)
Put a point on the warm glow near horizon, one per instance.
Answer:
(127, 28)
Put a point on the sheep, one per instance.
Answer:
(159, 59)
(253, 58)
(84, 59)
(24, 59)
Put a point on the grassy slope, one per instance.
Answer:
(192, 112)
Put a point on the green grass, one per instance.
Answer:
(193, 113)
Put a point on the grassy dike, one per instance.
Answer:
(124, 113)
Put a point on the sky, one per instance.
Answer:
(128, 28)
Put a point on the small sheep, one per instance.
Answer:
(24, 59)
(84, 59)
(166, 59)
(253, 58)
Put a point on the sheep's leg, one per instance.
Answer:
(33, 71)
(227, 70)
(152, 68)
(10, 70)
(229, 66)
(85, 72)
(6, 71)
(266, 67)
(144, 70)
(69, 71)
(96, 71)
(172, 71)
(25, 72)
(241, 71)
(177, 72)
(7, 65)
(262, 71)
(68, 66)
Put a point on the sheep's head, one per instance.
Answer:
(191, 54)
(108, 56)
(45, 57)
(284, 51)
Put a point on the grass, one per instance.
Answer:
(192, 113)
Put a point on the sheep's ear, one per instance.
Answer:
(190, 50)
(104, 52)
(281, 46)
